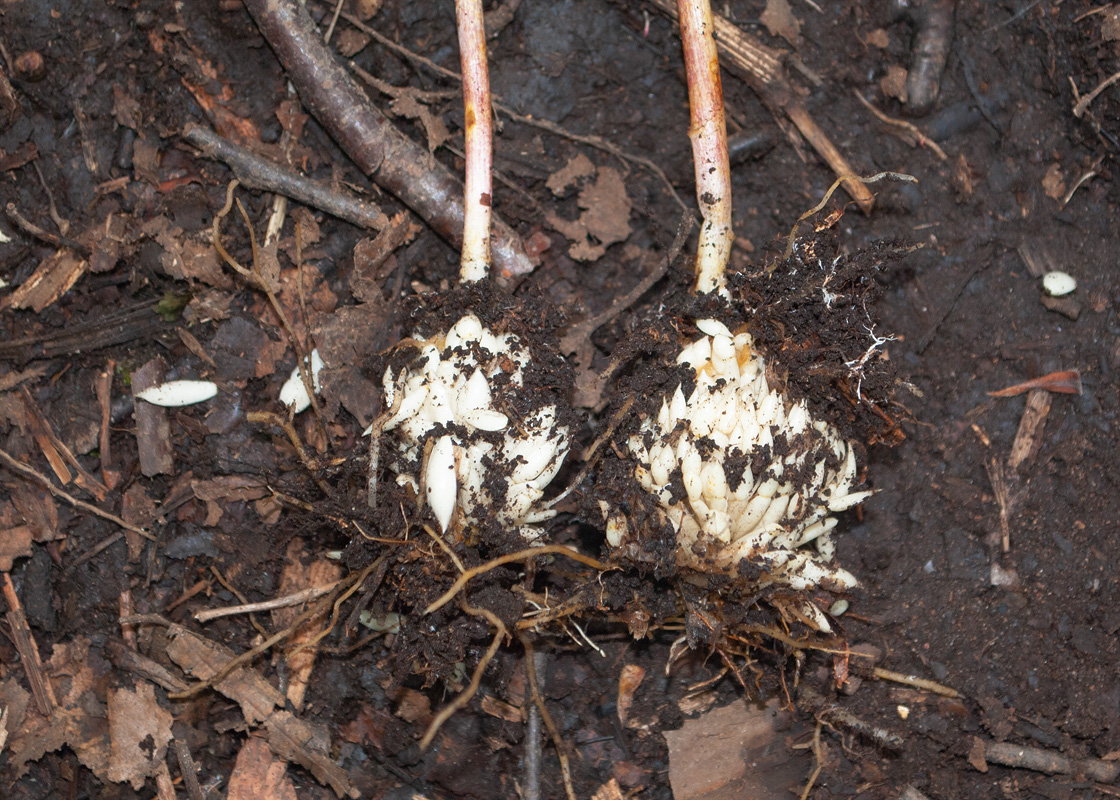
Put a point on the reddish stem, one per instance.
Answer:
(475, 263)
(708, 133)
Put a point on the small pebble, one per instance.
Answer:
(1058, 284)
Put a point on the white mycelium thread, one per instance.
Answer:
(445, 398)
(776, 520)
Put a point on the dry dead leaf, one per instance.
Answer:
(779, 20)
(733, 752)
(126, 109)
(605, 219)
(608, 791)
(413, 706)
(39, 512)
(78, 721)
(367, 8)
(893, 83)
(350, 41)
(227, 489)
(296, 577)
(189, 257)
(409, 105)
(139, 730)
(878, 38)
(579, 166)
(1053, 183)
(289, 737)
(259, 775)
(14, 543)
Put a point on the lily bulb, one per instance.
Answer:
(748, 480)
(453, 443)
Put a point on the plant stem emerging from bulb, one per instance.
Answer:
(475, 263)
(708, 133)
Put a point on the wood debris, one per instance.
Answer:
(291, 738)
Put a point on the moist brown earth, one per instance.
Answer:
(1026, 634)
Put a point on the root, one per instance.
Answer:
(894, 176)
(520, 555)
(476, 679)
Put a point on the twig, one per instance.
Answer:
(580, 332)
(261, 173)
(188, 770)
(829, 712)
(1085, 176)
(257, 279)
(598, 142)
(1084, 102)
(476, 679)
(542, 709)
(907, 131)
(761, 68)
(592, 454)
(267, 644)
(520, 555)
(50, 487)
(266, 605)
(916, 682)
(1048, 761)
(334, 21)
(395, 162)
(28, 227)
(531, 785)
(269, 418)
(28, 650)
(1003, 499)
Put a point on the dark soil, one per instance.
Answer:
(1027, 636)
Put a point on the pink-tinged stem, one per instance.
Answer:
(475, 263)
(708, 133)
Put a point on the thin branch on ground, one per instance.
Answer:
(247, 657)
(257, 172)
(28, 649)
(59, 493)
(266, 605)
(907, 131)
(916, 682)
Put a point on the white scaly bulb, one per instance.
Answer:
(773, 522)
(446, 397)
